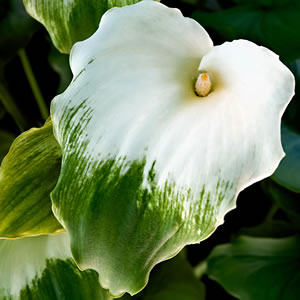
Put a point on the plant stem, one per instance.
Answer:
(272, 211)
(33, 84)
(9, 104)
(200, 269)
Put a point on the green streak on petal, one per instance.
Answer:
(122, 228)
(61, 279)
(27, 176)
(41, 268)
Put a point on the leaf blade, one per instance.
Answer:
(287, 173)
(258, 268)
(27, 175)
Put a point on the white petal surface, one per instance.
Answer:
(132, 106)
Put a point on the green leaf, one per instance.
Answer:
(266, 3)
(42, 267)
(287, 173)
(16, 29)
(70, 21)
(258, 268)
(275, 28)
(28, 174)
(291, 115)
(173, 280)
(288, 201)
(272, 228)
(6, 138)
(148, 166)
(192, 2)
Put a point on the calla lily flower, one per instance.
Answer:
(160, 131)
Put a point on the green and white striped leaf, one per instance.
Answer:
(28, 174)
(70, 21)
(148, 166)
(42, 268)
(258, 268)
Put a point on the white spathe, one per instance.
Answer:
(141, 66)
(133, 97)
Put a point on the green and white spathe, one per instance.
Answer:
(42, 267)
(148, 166)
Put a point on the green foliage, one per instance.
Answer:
(267, 3)
(27, 175)
(275, 27)
(64, 20)
(288, 201)
(291, 116)
(287, 174)
(270, 228)
(16, 28)
(172, 280)
(258, 268)
(60, 64)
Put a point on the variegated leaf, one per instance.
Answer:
(28, 174)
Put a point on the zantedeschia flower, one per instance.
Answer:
(159, 132)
